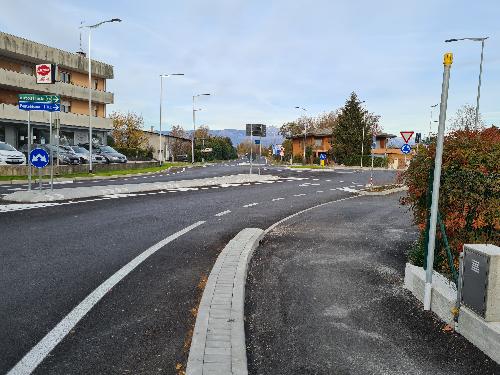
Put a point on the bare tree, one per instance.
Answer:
(465, 119)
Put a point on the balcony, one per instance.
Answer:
(14, 114)
(27, 83)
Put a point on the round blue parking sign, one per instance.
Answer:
(39, 158)
(406, 148)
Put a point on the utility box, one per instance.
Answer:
(480, 280)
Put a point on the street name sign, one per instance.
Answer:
(39, 106)
(39, 158)
(406, 135)
(39, 98)
(406, 148)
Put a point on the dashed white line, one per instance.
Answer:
(250, 205)
(299, 195)
(277, 199)
(320, 191)
(223, 213)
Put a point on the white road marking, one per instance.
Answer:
(320, 191)
(299, 195)
(40, 351)
(215, 187)
(250, 205)
(277, 199)
(15, 189)
(328, 180)
(348, 189)
(315, 179)
(223, 213)
(204, 188)
(315, 184)
(341, 181)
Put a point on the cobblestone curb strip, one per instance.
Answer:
(218, 345)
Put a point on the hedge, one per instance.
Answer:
(135, 153)
(469, 197)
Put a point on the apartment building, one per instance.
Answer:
(18, 58)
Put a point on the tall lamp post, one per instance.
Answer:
(160, 150)
(430, 121)
(362, 141)
(90, 27)
(480, 71)
(305, 134)
(194, 125)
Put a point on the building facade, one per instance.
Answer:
(18, 58)
(319, 140)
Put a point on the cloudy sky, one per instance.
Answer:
(261, 58)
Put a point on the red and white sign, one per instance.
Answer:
(44, 73)
(406, 135)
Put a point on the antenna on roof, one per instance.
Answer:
(80, 51)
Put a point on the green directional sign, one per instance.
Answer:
(39, 98)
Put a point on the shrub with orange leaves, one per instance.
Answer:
(469, 197)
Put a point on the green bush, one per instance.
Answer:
(297, 159)
(469, 197)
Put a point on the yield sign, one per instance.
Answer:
(406, 135)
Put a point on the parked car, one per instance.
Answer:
(65, 157)
(110, 154)
(83, 154)
(9, 155)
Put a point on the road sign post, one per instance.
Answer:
(36, 102)
(448, 60)
(39, 158)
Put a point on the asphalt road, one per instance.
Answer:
(54, 257)
(324, 296)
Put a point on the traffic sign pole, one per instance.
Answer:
(29, 150)
(251, 147)
(51, 153)
(448, 60)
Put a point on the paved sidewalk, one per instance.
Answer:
(325, 296)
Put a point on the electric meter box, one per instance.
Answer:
(480, 280)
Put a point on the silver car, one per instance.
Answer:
(83, 154)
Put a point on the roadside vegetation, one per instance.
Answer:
(469, 200)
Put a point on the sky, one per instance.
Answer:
(259, 59)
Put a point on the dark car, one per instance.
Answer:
(110, 154)
(65, 157)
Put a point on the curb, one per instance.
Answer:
(218, 345)
(384, 192)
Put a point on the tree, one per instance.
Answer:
(465, 119)
(127, 130)
(352, 121)
(179, 146)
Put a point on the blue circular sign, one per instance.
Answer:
(322, 156)
(39, 158)
(406, 148)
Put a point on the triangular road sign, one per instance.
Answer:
(406, 135)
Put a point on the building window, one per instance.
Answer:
(94, 84)
(94, 110)
(65, 77)
(25, 69)
(65, 106)
(318, 142)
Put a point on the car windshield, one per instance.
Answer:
(80, 150)
(6, 147)
(107, 149)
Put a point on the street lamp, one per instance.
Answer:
(194, 125)
(160, 150)
(480, 70)
(362, 141)
(90, 27)
(430, 121)
(305, 132)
